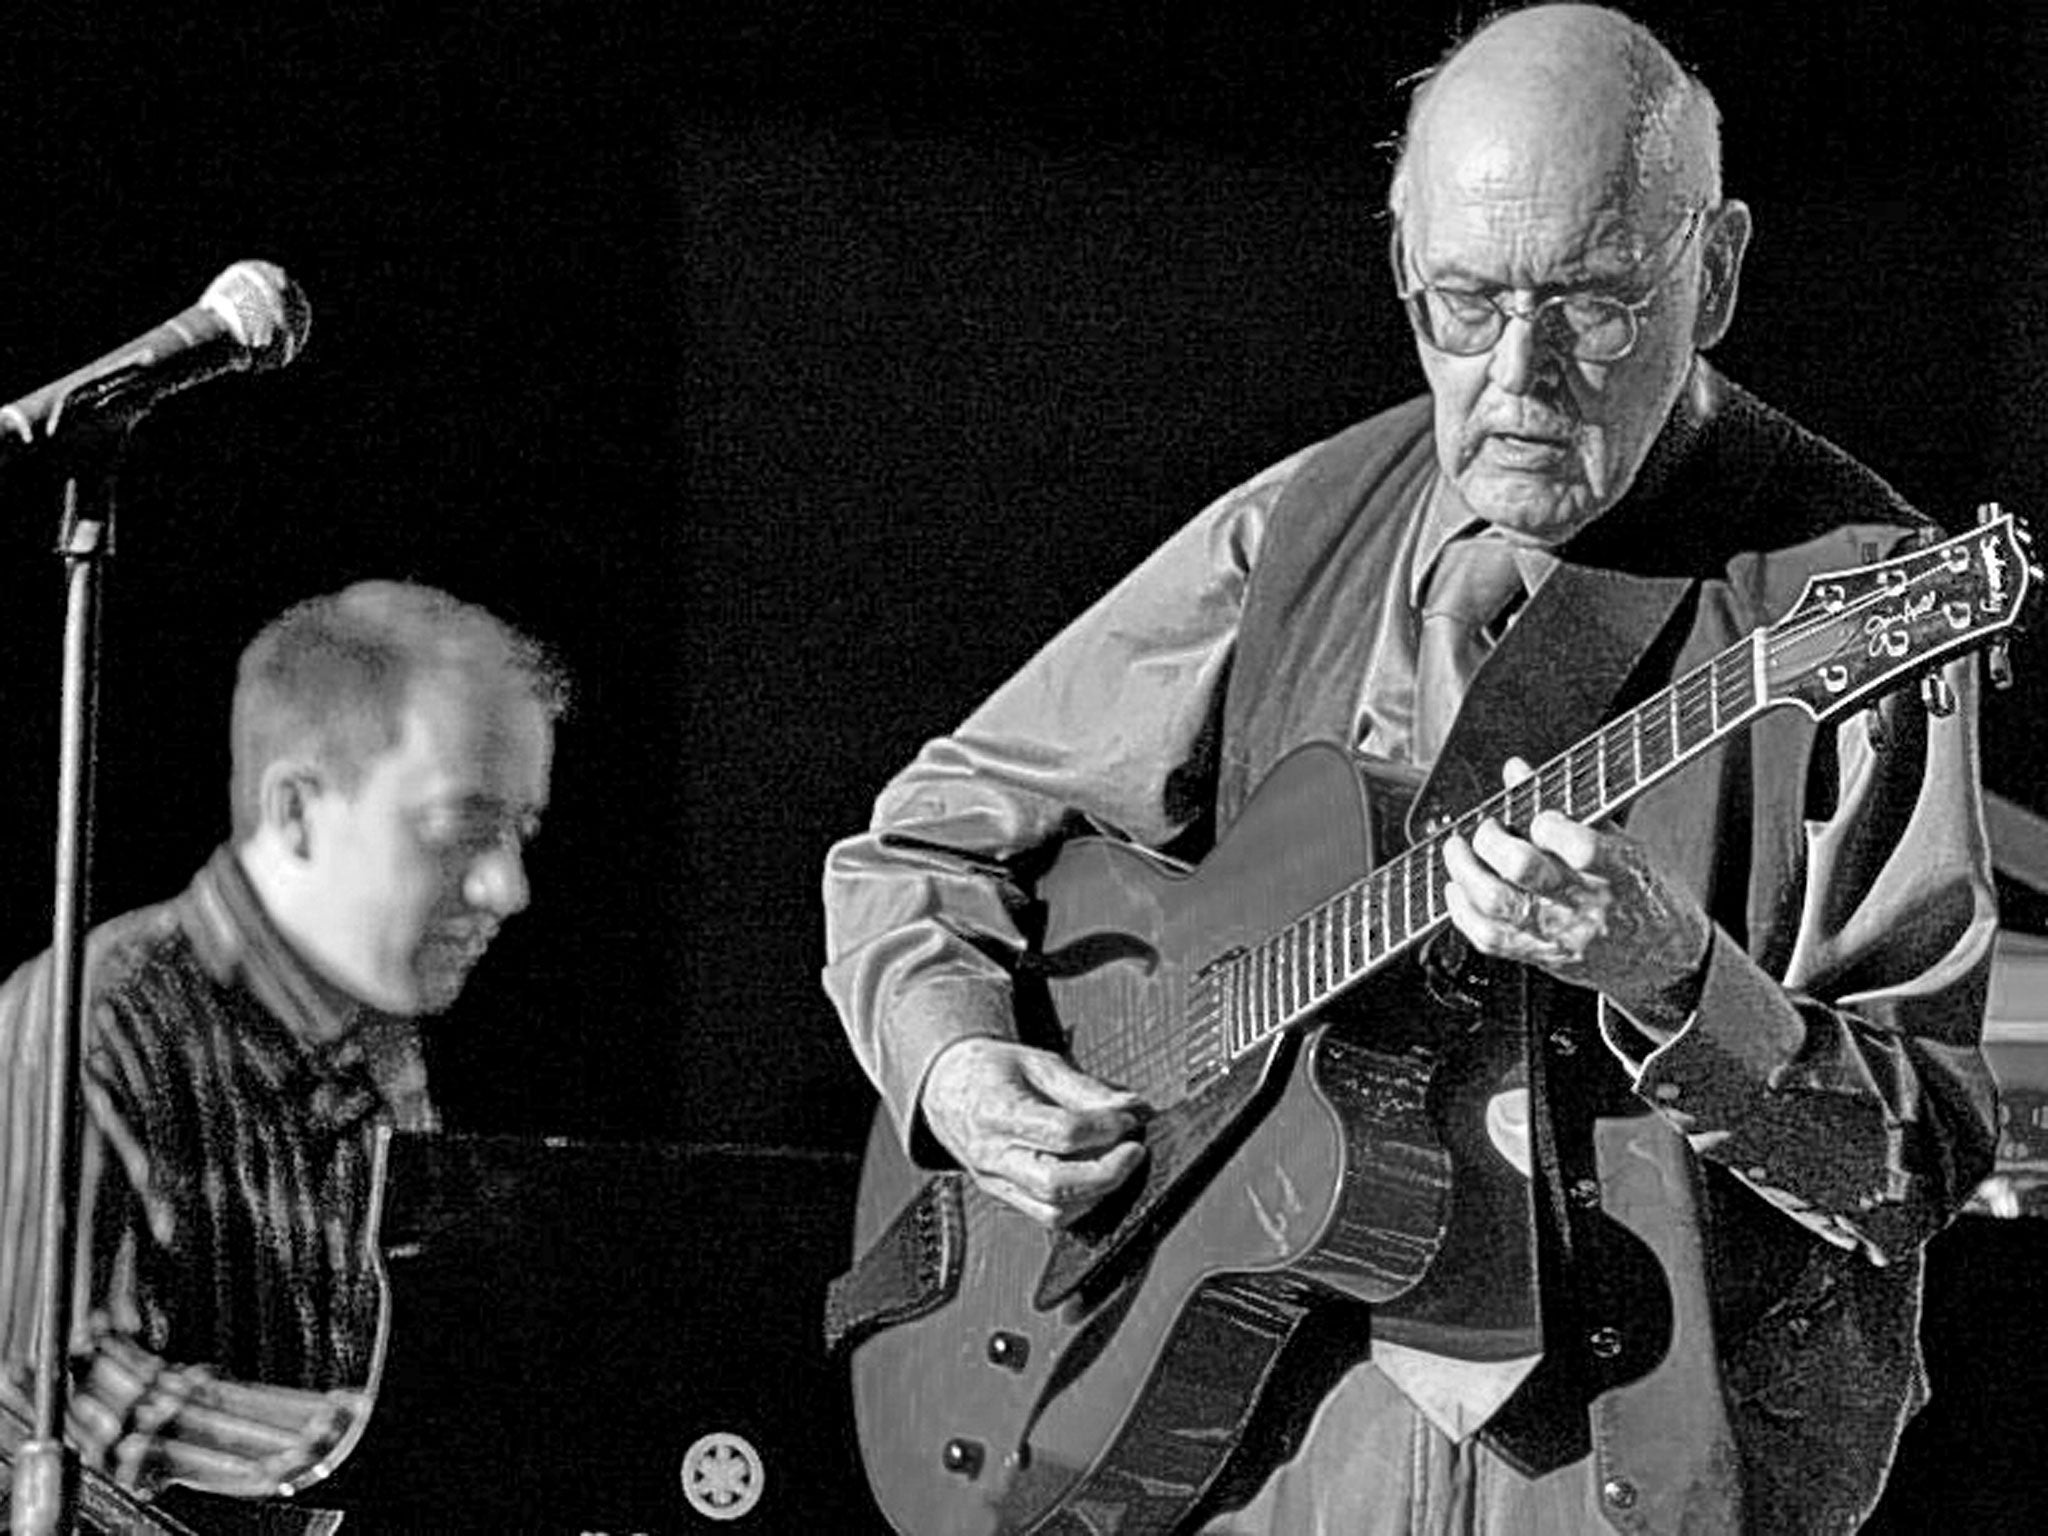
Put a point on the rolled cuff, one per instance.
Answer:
(1720, 1064)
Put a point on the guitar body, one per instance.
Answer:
(1311, 1171)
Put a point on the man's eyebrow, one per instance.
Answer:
(483, 803)
(1459, 278)
(1454, 272)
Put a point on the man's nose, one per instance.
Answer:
(496, 882)
(1522, 356)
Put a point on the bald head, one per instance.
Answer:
(1571, 99)
(1565, 253)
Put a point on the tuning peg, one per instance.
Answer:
(1998, 662)
(1935, 695)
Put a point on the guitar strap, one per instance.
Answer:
(1587, 644)
(1560, 670)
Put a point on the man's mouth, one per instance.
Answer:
(464, 945)
(1520, 450)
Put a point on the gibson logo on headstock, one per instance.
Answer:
(1888, 630)
(1994, 573)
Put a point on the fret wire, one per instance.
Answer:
(1335, 976)
(1698, 704)
(1582, 773)
(1651, 737)
(1268, 1012)
(1332, 932)
(1553, 789)
(1269, 964)
(1616, 778)
(1251, 982)
(1287, 974)
(1248, 973)
(1518, 805)
(1257, 1029)
(1400, 917)
(1251, 1019)
(1311, 960)
(1269, 986)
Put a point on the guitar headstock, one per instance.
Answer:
(1856, 634)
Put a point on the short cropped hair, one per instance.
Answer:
(330, 678)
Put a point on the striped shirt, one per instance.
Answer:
(231, 1325)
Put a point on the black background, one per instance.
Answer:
(796, 368)
(795, 372)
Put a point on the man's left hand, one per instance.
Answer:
(1586, 904)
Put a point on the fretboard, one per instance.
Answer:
(1283, 978)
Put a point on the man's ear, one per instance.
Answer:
(1721, 273)
(284, 799)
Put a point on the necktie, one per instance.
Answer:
(1473, 585)
(1472, 588)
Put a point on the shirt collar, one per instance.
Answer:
(354, 1055)
(235, 933)
(1446, 517)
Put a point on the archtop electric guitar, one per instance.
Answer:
(1013, 1378)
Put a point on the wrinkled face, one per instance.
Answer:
(414, 871)
(1534, 439)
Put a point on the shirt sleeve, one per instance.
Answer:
(1851, 1093)
(1094, 733)
(140, 1419)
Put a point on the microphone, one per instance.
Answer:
(251, 319)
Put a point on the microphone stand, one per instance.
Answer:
(44, 1501)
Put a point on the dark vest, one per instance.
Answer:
(1747, 505)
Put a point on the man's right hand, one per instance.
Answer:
(1032, 1130)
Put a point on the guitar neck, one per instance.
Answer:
(1289, 975)
(1853, 636)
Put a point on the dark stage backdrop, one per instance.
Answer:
(795, 369)
(796, 373)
